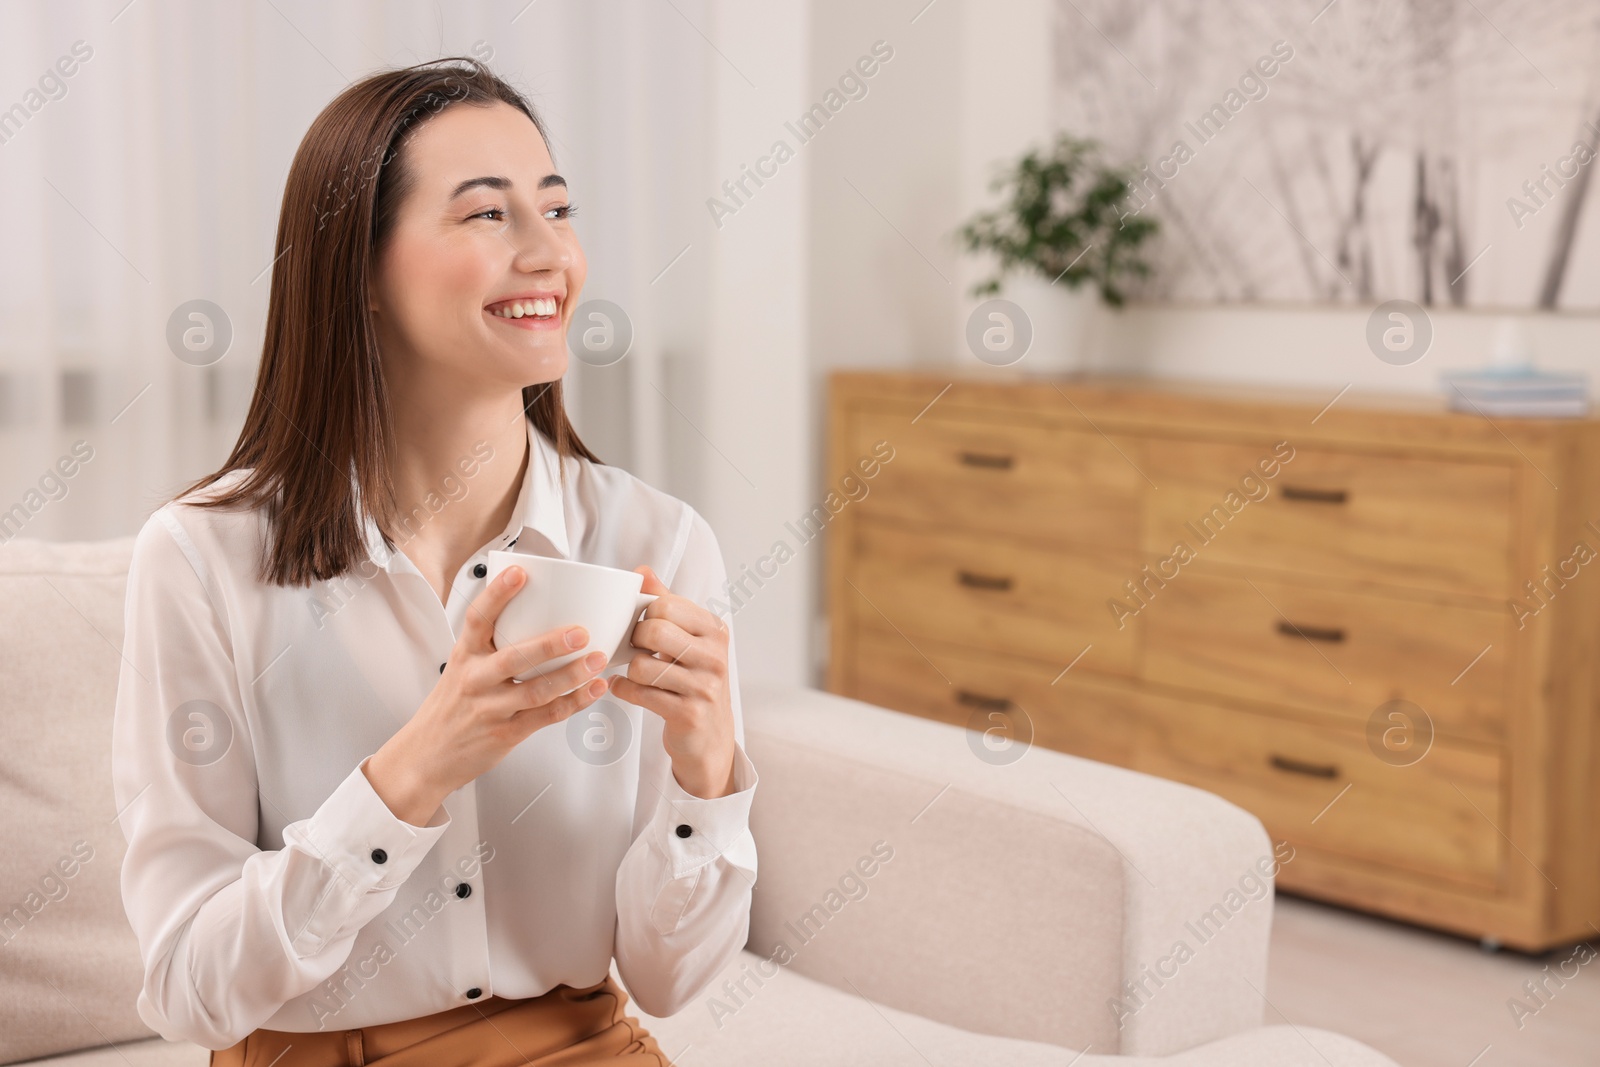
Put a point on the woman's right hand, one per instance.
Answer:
(478, 712)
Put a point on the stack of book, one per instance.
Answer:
(1519, 392)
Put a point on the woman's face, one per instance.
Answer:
(484, 229)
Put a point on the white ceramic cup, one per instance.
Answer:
(561, 592)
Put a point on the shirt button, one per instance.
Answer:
(463, 891)
(474, 993)
(479, 571)
(683, 829)
(379, 855)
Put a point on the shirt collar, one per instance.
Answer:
(538, 522)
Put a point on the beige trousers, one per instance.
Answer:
(565, 1027)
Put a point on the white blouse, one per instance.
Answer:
(270, 886)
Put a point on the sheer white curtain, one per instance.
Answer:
(151, 175)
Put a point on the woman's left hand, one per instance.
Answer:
(687, 686)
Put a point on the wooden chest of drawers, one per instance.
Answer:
(1375, 624)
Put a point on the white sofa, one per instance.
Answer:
(1017, 902)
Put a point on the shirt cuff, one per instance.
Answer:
(691, 831)
(365, 843)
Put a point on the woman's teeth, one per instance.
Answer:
(522, 308)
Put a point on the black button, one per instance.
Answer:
(441, 668)
(683, 829)
(474, 993)
(479, 571)
(463, 891)
(379, 855)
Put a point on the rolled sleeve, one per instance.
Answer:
(716, 826)
(367, 845)
(683, 899)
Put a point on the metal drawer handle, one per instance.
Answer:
(980, 459)
(1294, 766)
(984, 581)
(978, 700)
(1313, 633)
(1315, 496)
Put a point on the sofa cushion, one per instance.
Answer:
(790, 1020)
(71, 972)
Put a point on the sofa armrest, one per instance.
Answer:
(1052, 898)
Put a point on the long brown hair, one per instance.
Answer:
(319, 421)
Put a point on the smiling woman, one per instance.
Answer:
(431, 245)
(418, 315)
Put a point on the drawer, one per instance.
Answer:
(1431, 817)
(1023, 479)
(992, 593)
(973, 690)
(1336, 651)
(1431, 524)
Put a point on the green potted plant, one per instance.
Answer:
(1064, 239)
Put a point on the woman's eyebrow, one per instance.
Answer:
(502, 184)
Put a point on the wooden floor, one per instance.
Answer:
(1427, 999)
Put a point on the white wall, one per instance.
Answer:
(753, 388)
(969, 85)
(896, 172)
(1327, 346)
